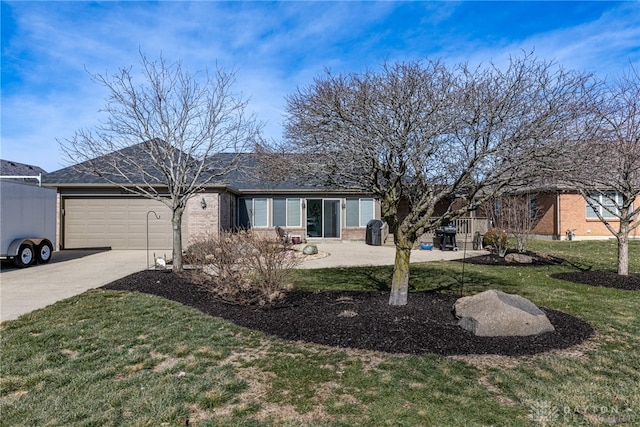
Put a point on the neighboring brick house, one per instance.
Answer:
(561, 209)
(94, 213)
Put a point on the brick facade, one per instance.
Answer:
(201, 221)
(221, 212)
(547, 215)
(565, 211)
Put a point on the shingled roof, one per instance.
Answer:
(11, 168)
(85, 173)
(248, 174)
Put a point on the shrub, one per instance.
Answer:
(244, 267)
(496, 240)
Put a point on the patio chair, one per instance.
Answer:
(283, 236)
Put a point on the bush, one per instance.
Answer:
(496, 240)
(244, 268)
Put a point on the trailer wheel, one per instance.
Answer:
(25, 257)
(43, 252)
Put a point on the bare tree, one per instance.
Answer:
(159, 136)
(420, 134)
(515, 215)
(607, 166)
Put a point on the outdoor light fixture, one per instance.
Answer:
(303, 205)
(203, 203)
(344, 205)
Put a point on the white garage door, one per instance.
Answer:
(119, 223)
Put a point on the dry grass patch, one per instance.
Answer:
(497, 394)
(71, 354)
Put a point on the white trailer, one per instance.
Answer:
(27, 222)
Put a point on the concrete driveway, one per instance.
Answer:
(71, 273)
(68, 274)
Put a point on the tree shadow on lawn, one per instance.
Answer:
(423, 277)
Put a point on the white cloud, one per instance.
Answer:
(275, 47)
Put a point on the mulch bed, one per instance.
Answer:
(608, 279)
(362, 320)
(539, 259)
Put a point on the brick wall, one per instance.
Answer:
(203, 221)
(573, 216)
(546, 203)
(354, 233)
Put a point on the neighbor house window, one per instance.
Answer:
(533, 208)
(605, 205)
(497, 207)
(286, 213)
(359, 212)
(253, 213)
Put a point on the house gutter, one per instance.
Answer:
(36, 177)
(300, 191)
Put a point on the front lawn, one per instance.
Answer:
(122, 358)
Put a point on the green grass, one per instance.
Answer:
(112, 358)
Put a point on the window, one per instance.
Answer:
(497, 207)
(533, 208)
(253, 213)
(359, 212)
(605, 204)
(286, 213)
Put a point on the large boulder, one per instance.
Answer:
(517, 258)
(310, 250)
(496, 314)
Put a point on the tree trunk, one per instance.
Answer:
(623, 249)
(400, 281)
(176, 222)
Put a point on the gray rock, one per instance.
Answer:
(518, 258)
(496, 314)
(310, 250)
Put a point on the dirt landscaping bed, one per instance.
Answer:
(538, 259)
(608, 279)
(361, 320)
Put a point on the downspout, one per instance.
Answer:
(558, 222)
(219, 213)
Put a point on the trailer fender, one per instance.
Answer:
(14, 246)
(42, 248)
(25, 255)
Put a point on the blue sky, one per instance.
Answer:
(276, 47)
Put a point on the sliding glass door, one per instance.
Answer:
(323, 218)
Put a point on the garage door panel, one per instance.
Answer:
(119, 223)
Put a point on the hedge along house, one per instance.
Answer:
(93, 212)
